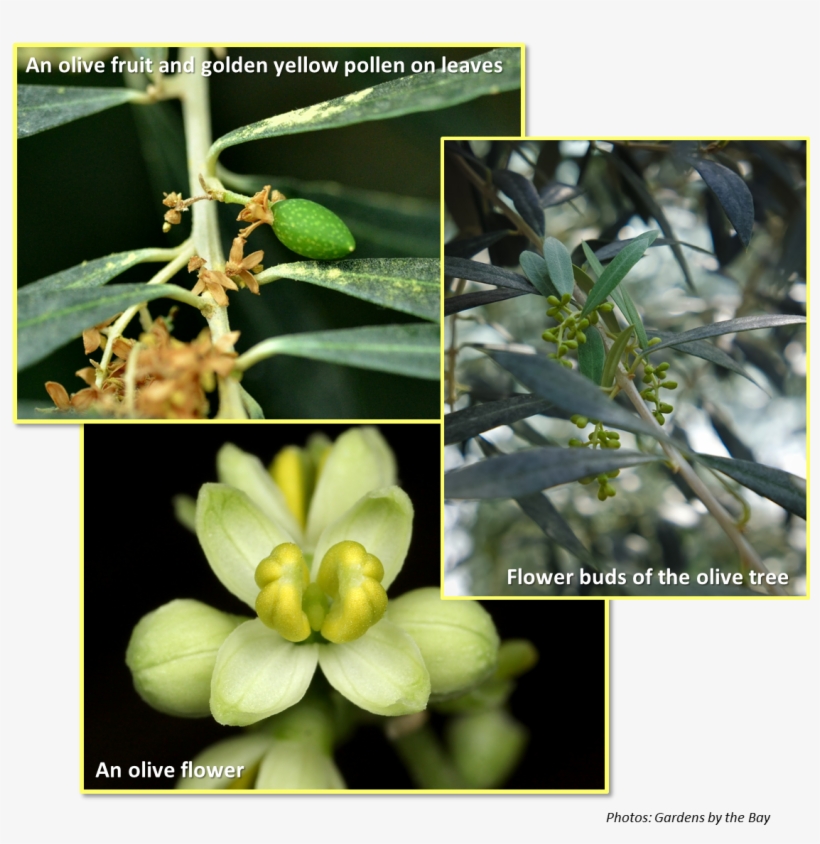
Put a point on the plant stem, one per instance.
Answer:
(748, 556)
(426, 760)
(196, 116)
(181, 256)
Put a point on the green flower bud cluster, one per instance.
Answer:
(655, 377)
(599, 438)
(569, 333)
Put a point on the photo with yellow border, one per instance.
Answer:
(625, 367)
(261, 612)
(156, 185)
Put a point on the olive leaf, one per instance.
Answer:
(411, 349)
(471, 421)
(410, 94)
(785, 489)
(524, 196)
(569, 391)
(466, 247)
(410, 285)
(559, 266)
(535, 269)
(487, 274)
(729, 326)
(456, 304)
(591, 356)
(616, 270)
(732, 193)
(533, 470)
(89, 274)
(46, 323)
(41, 107)
(542, 511)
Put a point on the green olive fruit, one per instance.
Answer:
(309, 229)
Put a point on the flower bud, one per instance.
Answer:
(298, 765)
(486, 746)
(172, 653)
(457, 639)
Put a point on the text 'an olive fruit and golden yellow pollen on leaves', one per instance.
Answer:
(344, 602)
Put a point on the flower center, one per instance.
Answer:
(343, 603)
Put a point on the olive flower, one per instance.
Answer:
(312, 553)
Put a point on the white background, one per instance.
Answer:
(714, 705)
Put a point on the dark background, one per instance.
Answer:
(94, 186)
(138, 557)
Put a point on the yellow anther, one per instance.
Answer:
(352, 578)
(288, 471)
(283, 577)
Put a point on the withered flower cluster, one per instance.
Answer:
(156, 376)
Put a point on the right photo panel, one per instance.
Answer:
(625, 368)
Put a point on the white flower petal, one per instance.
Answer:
(299, 765)
(258, 673)
(235, 536)
(246, 750)
(359, 461)
(382, 521)
(382, 672)
(244, 471)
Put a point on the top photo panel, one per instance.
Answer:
(239, 232)
(625, 368)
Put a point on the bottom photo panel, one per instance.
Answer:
(262, 612)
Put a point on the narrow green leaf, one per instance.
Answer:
(591, 356)
(705, 351)
(486, 274)
(45, 324)
(729, 326)
(622, 298)
(785, 489)
(410, 285)
(542, 511)
(559, 265)
(533, 470)
(408, 95)
(596, 266)
(41, 107)
(617, 269)
(412, 349)
(535, 269)
(89, 274)
(570, 391)
(613, 357)
(586, 284)
(457, 304)
(465, 424)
